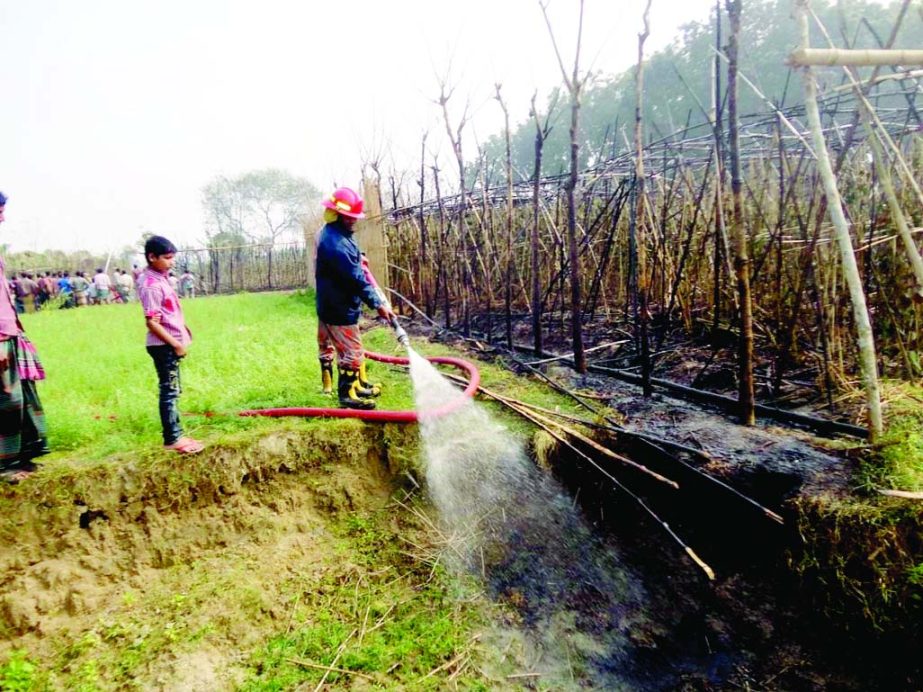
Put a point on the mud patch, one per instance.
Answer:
(197, 671)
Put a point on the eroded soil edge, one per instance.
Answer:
(168, 572)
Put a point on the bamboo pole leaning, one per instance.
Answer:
(658, 443)
(876, 136)
(866, 343)
(547, 424)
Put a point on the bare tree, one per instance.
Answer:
(259, 206)
(225, 212)
(276, 200)
(455, 138)
(574, 83)
(225, 208)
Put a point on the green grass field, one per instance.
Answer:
(249, 351)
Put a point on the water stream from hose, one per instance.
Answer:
(513, 527)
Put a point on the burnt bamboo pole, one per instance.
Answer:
(779, 263)
(601, 270)
(690, 229)
(643, 314)
(441, 268)
(541, 133)
(508, 273)
(424, 260)
(574, 84)
(717, 123)
(741, 245)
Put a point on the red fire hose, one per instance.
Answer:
(474, 380)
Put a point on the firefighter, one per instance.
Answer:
(342, 287)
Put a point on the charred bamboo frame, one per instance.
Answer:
(801, 320)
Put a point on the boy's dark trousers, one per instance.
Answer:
(167, 364)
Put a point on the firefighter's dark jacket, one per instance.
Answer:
(341, 283)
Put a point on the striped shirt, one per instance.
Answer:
(159, 300)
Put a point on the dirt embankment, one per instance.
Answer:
(166, 572)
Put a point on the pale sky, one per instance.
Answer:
(115, 113)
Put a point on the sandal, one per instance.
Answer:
(14, 475)
(186, 445)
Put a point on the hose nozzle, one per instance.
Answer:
(399, 332)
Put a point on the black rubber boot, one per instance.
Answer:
(367, 389)
(326, 376)
(348, 383)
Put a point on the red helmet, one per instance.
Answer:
(346, 202)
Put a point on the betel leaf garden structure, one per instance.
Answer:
(785, 239)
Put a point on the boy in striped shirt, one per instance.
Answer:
(168, 338)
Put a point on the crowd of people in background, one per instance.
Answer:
(34, 291)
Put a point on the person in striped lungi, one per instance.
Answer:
(22, 420)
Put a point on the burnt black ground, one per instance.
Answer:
(755, 626)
